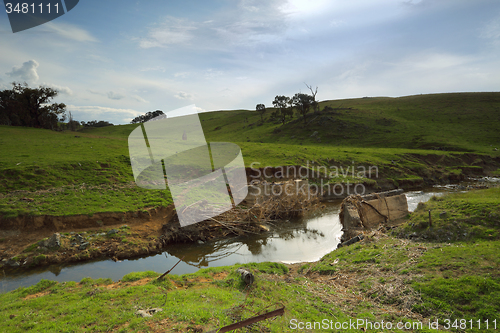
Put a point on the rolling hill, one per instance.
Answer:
(409, 138)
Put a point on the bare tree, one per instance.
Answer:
(73, 125)
(315, 104)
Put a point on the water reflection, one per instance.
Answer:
(56, 270)
(299, 240)
(251, 247)
(202, 255)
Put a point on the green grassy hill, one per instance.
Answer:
(460, 122)
(396, 134)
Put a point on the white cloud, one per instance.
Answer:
(70, 31)
(172, 31)
(183, 95)
(432, 62)
(117, 96)
(27, 72)
(247, 23)
(212, 73)
(182, 75)
(114, 95)
(491, 31)
(114, 115)
(139, 99)
(60, 89)
(153, 69)
(304, 7)
(424, 72)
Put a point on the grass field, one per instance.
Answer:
(412, 274)
(404, 276)
(397, 135)
(461, 122)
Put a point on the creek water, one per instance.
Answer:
(304, 239)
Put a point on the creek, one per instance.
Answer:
(303, 239)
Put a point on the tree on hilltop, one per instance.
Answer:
(315, 104)
(95, 123)
(283, 104)
(261, 108)
(303, 103)
(146, 117)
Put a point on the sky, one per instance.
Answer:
(116, 59)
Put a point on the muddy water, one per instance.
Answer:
(300, 240)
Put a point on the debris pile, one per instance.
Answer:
(244, 219)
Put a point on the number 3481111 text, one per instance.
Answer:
(27, 8)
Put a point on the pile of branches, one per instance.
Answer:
(242, 220)
(275, 207)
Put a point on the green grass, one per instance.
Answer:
(440, 272)
(130, 277)
(460, 281)
(463, 122)
(40, 159)
(393, 135)
(206, 300)
(73, 200)
(471, 216)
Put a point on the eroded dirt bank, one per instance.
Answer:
(81, 237)
(139, 235)
(134, 234)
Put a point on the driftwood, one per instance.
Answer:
(246, 275)
(249, 321)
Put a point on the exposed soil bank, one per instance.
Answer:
(82, 238)
(85, 221)
(146, 234)
(86, 237)
(410, 172)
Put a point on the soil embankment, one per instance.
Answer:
(82, 237)
(43, 240)
(145, 232)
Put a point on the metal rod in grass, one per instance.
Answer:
(163, 275)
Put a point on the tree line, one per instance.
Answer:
(30, 107)
(148, 116)
(285, 106)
